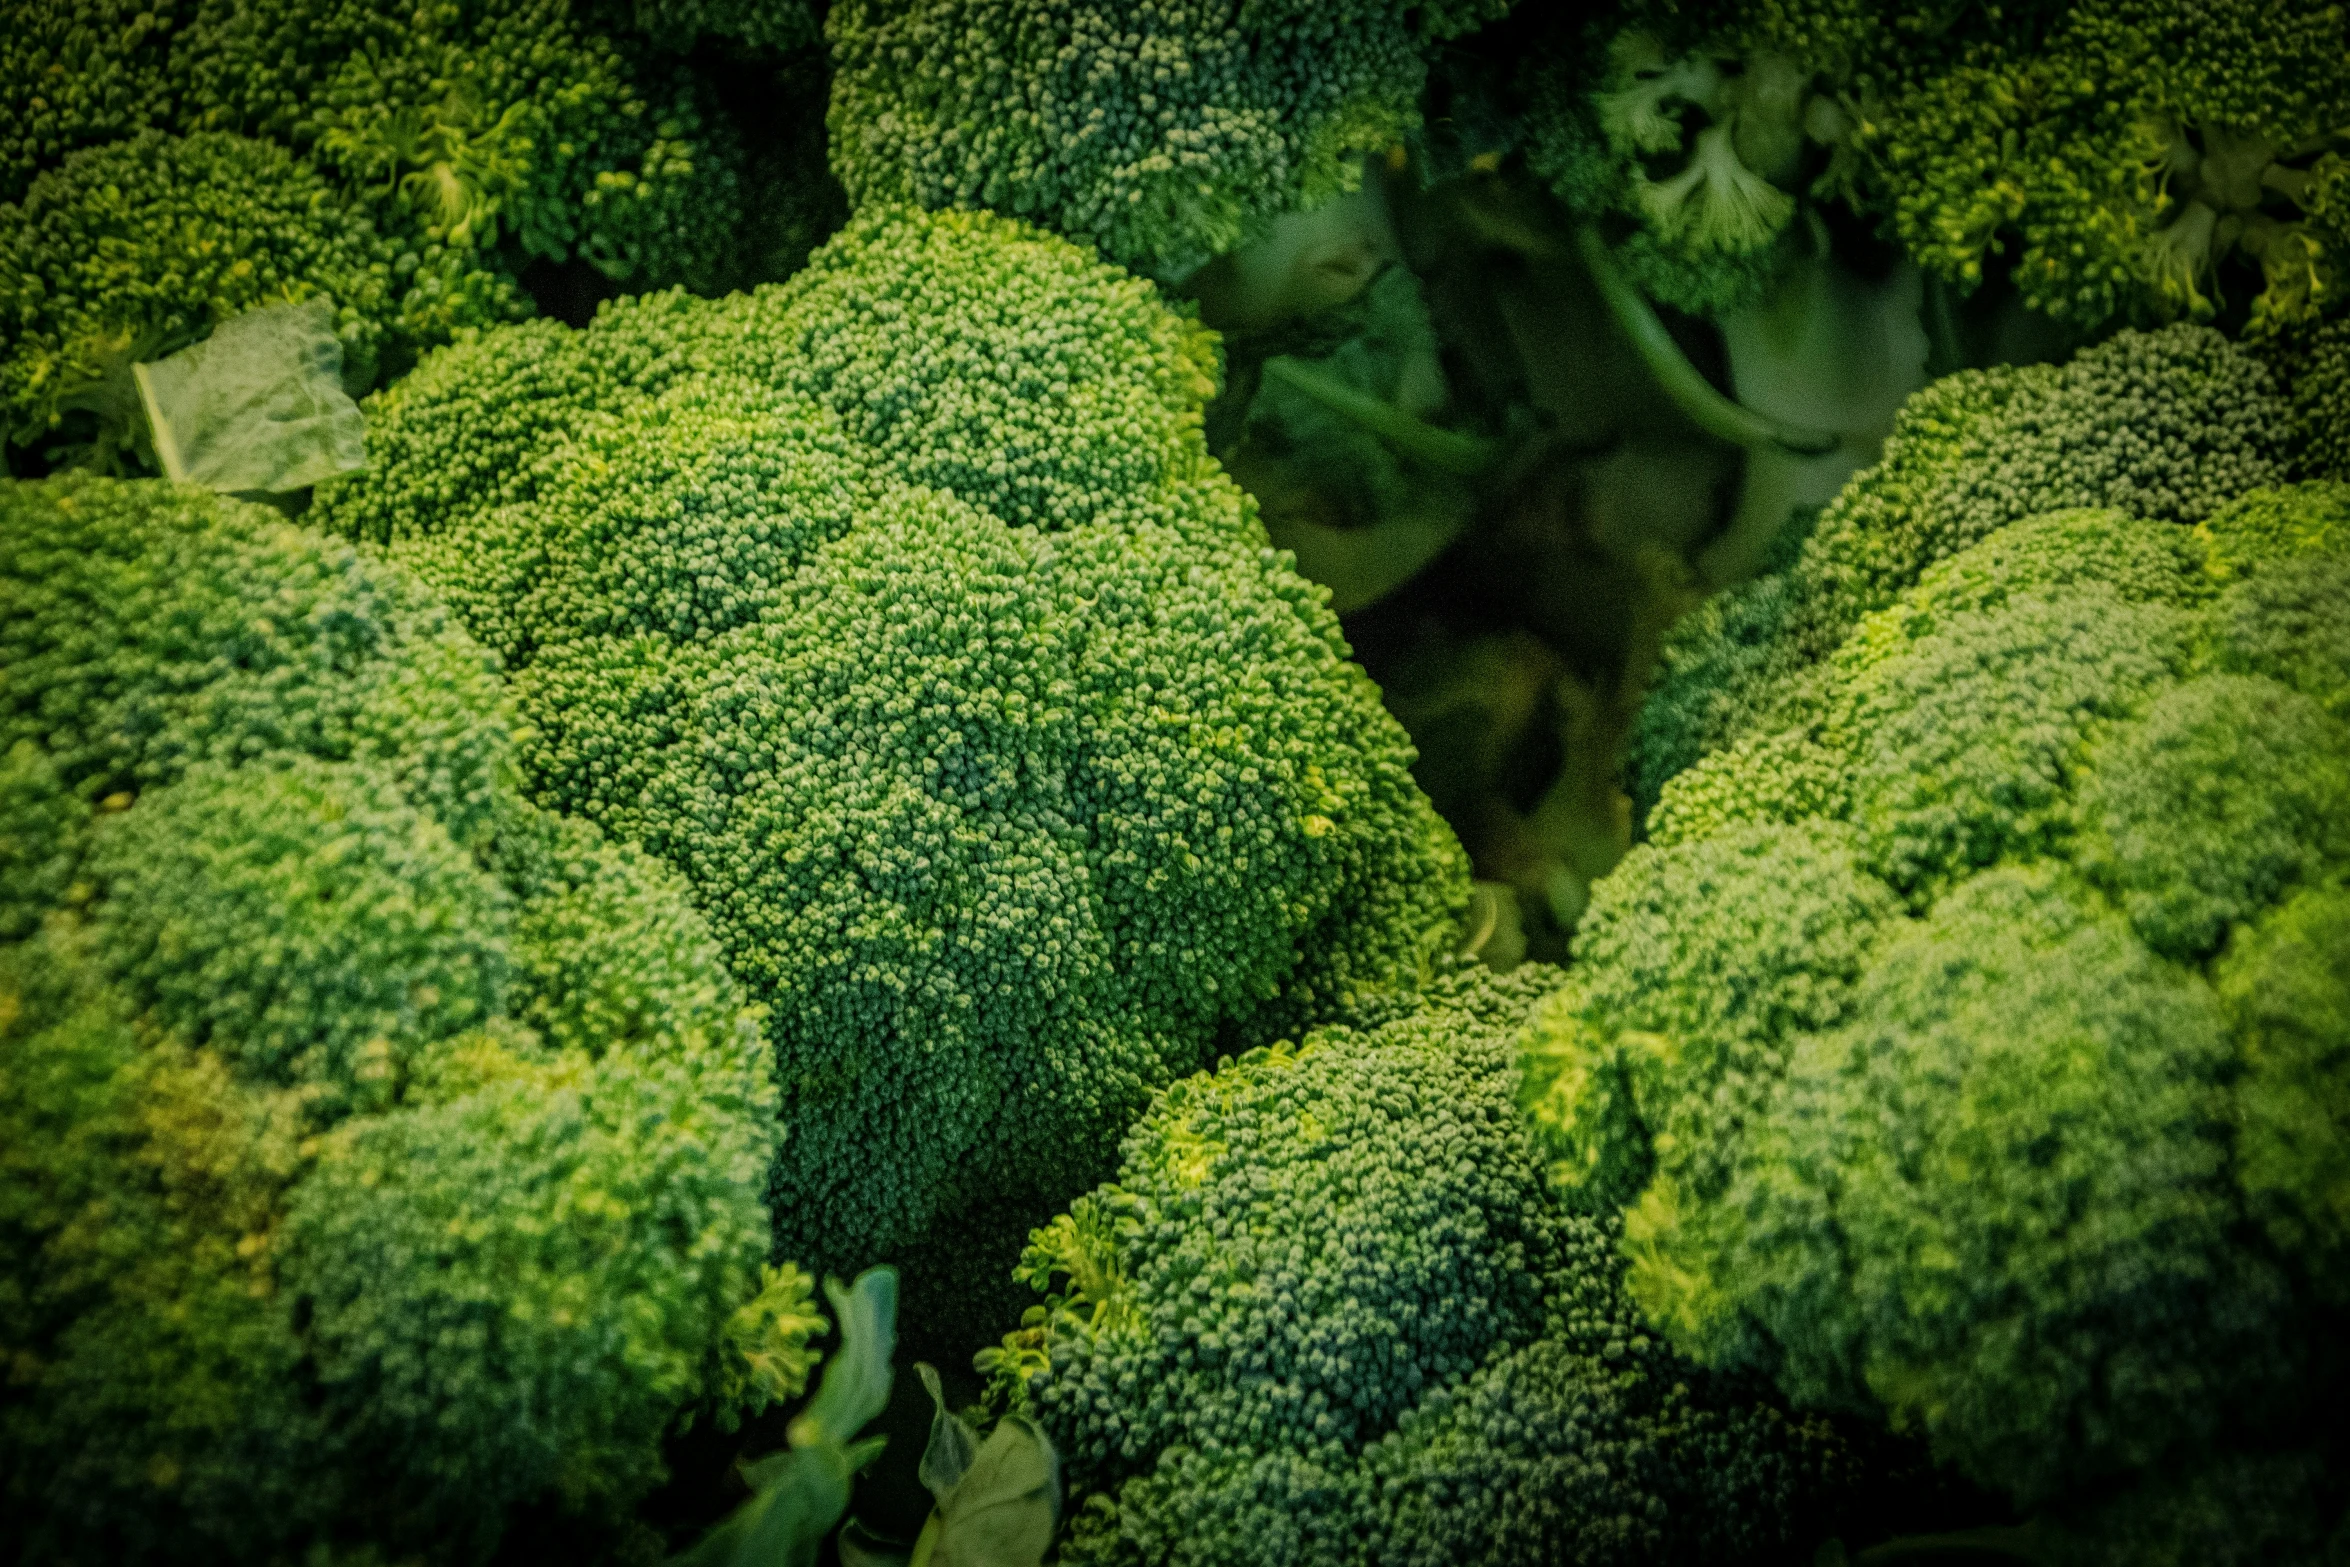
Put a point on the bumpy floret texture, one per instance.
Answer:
(77, 74)
(2127, 162)
(915, 626)
(1164, 133)
(2116, 148)
(2018, 1142)
(133, 250)
(454, 123)
(2286, 982)
(2316, 370)
(1699, 962)
(380, 1152)
(1328, 1314)
(2041, 1165)
(998, 364)
(2168, 426)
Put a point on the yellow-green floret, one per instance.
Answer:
(1990, 1069)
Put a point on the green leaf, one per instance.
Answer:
(953, 1444)
(856, 1384)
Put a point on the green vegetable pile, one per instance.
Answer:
(955, 783)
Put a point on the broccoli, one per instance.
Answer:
(1606, 123)
(2128, 159)
(2314, 366)
(79, 74)
(177, 163)
(378, 1153)
(469, 121)
(132, 250)
(1328, 1313)
(2130, 148)
(1166, 135)
(2166, 425)
(1987, 1068)
(901, 608)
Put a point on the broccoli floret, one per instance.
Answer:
(2167, 425)
(74, 73)
(472, 121)
(133, 250)
(1698, 963)
(2125, 149)
(1684, 151)
(2228, 790)
(454, 126)
(1327, 1314)
(2314, 365)
(380, 1153)
(2118, 163)
(1165, 135)
(2003, 1185)
(2015, 1160)
(2286, 982)
(916, 626)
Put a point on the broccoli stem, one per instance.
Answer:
(1447, 451)
(1675, 376)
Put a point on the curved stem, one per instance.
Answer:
(1691, 392)
(1447, 451)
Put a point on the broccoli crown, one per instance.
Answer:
(454, 124)
(1328, 1313)
(1165, 134)
(78, 73)
(2127, 149)
(2026, 1146)
(2315, 367)
(380, 1152)
(134, 249)
(901, 608)
(2168, 425)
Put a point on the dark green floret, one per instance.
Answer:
(901, 608)
(1329, 1313)
(1164, 134)
(378, 1153)
(2035, 1161)
(133, 250)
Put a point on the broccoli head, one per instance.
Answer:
(456, 126)
(1328, 1313)
(1165, 135)
(133, 250)
(902, 609)
(2126, 151)
(76, 74)
(2029, 1146)
(380, 1152)
(2169, 426)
